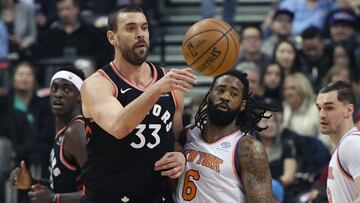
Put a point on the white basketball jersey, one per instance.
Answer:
(210, 173)
(341, 187)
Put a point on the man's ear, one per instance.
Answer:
(349, 110)
(243, 105)
(111, 37)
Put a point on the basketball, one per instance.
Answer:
(211, 47)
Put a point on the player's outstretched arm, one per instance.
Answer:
(42, 194)
(254, 170)
(99, 103)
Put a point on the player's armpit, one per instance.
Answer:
(254, 171)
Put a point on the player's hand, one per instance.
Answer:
(177, 79)
(20, 178)
(41, 194)
(172, 164)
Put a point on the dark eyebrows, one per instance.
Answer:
(329, 103)
(132, 24)
(325, 104)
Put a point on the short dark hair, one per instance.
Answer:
(74, 70)
(345, 91)
(257, 27)
(126, 8)
(311, 33)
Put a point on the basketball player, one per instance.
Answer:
(224, 162)
(336, 103)
(68, 153)
(132, 111)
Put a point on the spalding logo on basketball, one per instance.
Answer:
(211, 47)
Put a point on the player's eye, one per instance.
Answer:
(131, 28)
(67, 89)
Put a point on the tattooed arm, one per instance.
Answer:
(254, 171)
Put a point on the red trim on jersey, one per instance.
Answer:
(59, 132)
(116, 91)
(62, 154)
(78, 180)
(154, 76)
(62, 129)
(172, 92)
(88, 131)
(342, 170)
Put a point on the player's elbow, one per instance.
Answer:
(117, 129)
(121, 131)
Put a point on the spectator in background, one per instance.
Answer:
(16, 142)
(4, 40)
(23, 98)
(208, 10)
(281, 30)
(337, 73)
(307, 13)
(45, 13)
(342, 30)
(281, 152)
(299, 108)
(73, 37)
(250, 38)
(253, 76)
(315, 61)
(352, 5)
(342, 26)
(344, 57)
(287, 56)
(20, 21)
(272, 81)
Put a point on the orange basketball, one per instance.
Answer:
(211, 47)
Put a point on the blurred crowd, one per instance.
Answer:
(301, 45)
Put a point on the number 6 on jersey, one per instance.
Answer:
(189, 189)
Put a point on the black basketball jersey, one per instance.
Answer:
(65, 174)
(122, 170)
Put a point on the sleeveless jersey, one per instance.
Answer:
(65, 175)
(341, 187)
(210, 173)
(122, 170)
